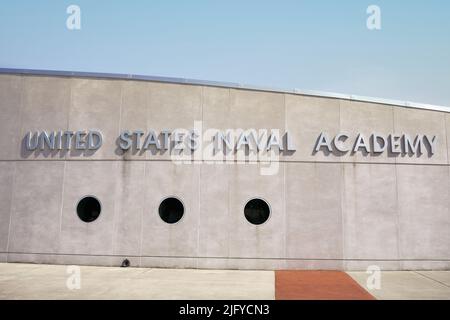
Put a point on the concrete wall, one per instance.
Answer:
(328, 211)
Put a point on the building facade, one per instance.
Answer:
(98, 168)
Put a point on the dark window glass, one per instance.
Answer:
(171, 210)
(88, 209)
(257, 211)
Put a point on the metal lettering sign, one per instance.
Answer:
(229, 140)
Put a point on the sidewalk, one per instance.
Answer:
(410, 285)
(28, 281)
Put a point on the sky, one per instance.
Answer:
(320, 45)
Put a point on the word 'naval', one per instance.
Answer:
(192, 139)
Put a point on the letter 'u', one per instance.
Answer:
(31, 141)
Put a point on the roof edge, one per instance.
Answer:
(232, 85)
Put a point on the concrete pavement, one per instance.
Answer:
(28, 281)
(411, 285)
(32, 281)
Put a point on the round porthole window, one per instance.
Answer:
(88, 209)
(257, 211)
(171, 210)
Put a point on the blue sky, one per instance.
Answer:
(312, 45)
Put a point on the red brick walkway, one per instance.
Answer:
(318, 285)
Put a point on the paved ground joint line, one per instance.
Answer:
(425, 276)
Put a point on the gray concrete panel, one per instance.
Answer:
(364, 265)
(370, 212)
(423, 208)
(313, 211)
(7, 182)
(217, 115)
(241, 263)
(240, 110)
(256, 241)
(96, 104)
(172, 107)
(367, 119)
(447, 128)
(129, 208)
(217, 111)
(134, 114)
(306, 118)
(425, 264)
(88, 178)
(314, 264)
(169, 262)
(46, 102)
(10, 107)
(215, 230)
(422, 122)
(249, 264)
(165, 179)
(257, 110)
(40, 258)
(36, 207)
